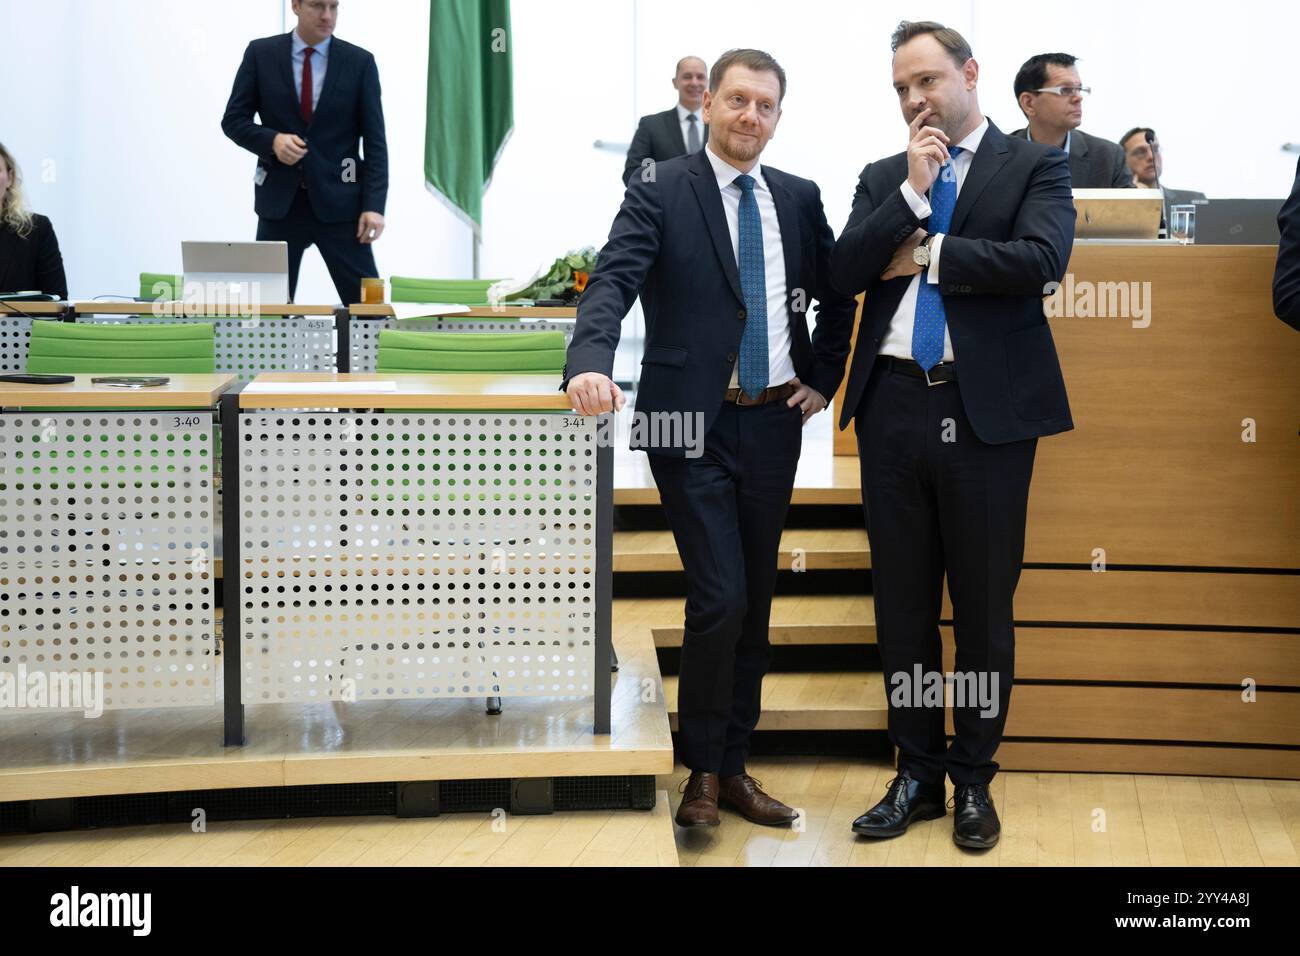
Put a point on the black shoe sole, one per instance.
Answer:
(972, 844)
(934, 813)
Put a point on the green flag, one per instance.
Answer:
(470, 101)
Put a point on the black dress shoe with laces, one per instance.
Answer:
(975, 822)
(907, 800)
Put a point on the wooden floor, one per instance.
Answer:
(1048, 819)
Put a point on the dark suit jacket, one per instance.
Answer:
(1095, 163)
(1286, 278)
(670, 245)
(348, 111)
(659, 137)
(1011, 234)
(33, 262)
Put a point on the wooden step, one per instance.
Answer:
(820, 549)
(797, 619)
(802, 701)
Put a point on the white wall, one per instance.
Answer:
(113, 107)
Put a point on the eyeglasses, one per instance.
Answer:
(1065, 90)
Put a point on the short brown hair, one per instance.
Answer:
(755, 60)
(949, 39)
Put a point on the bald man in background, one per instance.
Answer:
(679, 131)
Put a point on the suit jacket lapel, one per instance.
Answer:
(989, 158)
(674, 130)
(286, 61)
(791, 238)
(705, 185)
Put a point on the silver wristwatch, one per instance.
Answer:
(921, 254)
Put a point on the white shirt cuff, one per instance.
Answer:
(920, 208)
(932, 274)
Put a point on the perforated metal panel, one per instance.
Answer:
(363, 334)
(15, 333)
(106, 532)
(421, 555)
(247, 347)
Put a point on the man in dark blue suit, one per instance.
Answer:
(954, 378)
(725, 255)
(318, 99)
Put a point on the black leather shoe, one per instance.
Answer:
(907, 800)
(975, 822)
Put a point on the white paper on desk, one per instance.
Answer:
(426, 310)
(317, 388)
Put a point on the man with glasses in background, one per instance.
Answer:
(1050, 95)
(318, 100)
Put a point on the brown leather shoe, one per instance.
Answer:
(745, 795)
(699, 807)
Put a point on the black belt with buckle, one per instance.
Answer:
(938, 375)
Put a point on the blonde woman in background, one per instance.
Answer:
(30, 260)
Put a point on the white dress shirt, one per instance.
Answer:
(319, 61)
(898, 340)
(685, 124)
(780, 368)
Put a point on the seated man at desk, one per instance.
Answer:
(1050, 94)
(1147, 164)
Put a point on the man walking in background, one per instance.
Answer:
(318, 100)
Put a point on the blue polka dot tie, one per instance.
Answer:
(753, 286)
(927, 329)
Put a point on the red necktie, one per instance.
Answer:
(306, 84)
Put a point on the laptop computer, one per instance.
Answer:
(236, 272)
(1237, 222)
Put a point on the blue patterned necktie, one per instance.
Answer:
(753, 286)
(927, 329)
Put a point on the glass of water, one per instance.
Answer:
(1182, 223)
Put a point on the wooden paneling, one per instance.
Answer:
(1161, 657)
(1169, 598)
(1149, 759)
(1151, 713)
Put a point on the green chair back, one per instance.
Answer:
(84, 348)
(160, 285)
(454, 291)
(497, 352)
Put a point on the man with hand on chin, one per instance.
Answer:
(725, 254)
(954, 378)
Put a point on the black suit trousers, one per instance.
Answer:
(727, 509)
(937, 499)
(348, 260)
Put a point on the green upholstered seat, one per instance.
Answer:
(539, 352)
(85, 348)
(160, 285)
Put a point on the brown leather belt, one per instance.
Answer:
(775, 393)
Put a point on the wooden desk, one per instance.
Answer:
(448, 391)
(183, 391)
(178, 308)
(107, 539)
(383, 310)
(450, 539)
